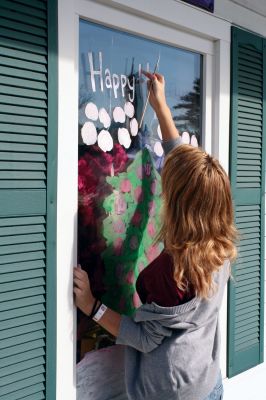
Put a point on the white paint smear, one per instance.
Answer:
(89, 133)
(134, 127)
(158, 149)
(105, 141)
(104, 118)
(185, 138)
(91, 111)
(119, 115)
(159, 132)
(129, 109)
(194, 141)
(124, 137)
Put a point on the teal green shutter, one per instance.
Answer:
(247, 172)
(28, 131)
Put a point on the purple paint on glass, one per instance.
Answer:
(120, 205)
(119, 226)
(134, 243)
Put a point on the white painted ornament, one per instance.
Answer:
(91, 111)
(89, 133)
(104, 118)
(105, 141)
(119, 115)
(129, 109)
(159, 132)
(194, 141)
(185, 138)
(124, 137)
(134, 127)
(158, 149)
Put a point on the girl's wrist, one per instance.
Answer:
(89, 306)
(162, 110)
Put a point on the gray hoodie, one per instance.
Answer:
(172, 353)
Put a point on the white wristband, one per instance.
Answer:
(99, 313)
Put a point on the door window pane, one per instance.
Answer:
(120, 162)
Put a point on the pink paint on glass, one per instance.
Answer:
(130, 278)
(136, 300)
(118, 246)
(151, 208)
(138, 194)
(152, 253)
(136, 219)
(153, 187)
(119, 226)
(151, 229)
(120, 205)
(141, 267)
(125, 186)
(140, 172)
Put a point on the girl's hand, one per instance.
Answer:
(84, 299)
(157, 94)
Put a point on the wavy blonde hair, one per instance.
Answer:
(197, 217)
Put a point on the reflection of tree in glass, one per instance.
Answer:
(189, 119)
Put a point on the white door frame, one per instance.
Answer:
(171, 22)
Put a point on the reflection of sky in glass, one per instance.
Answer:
(121, 54)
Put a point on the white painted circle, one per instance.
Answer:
(89, 133)
(194, 141)
(105, 141)
(104, 118)
(159, 132)
(158, 149)
(129, 109)
(124, 137)
(185, 138)
(119, 115)
(91, 111)
(134, 127)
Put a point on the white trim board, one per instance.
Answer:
(256, 6)
(171, 13)
(173, 24)
(240, 15)
(141, 25)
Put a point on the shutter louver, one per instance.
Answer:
(23, 194)
(245, 301)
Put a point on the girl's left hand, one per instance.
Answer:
(84, 299)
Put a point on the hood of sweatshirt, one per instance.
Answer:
(187, 315)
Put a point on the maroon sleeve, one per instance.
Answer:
(142, 292)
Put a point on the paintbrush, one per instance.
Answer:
(149, 92)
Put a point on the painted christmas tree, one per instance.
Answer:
(130, 229)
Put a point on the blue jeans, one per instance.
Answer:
(218, 391)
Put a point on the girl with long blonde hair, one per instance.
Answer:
(172, 343)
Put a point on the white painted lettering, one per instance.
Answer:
(111, 81)
(94, 72)
(123, 80)
(131, 88)
(116, 84)
(108, 79)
